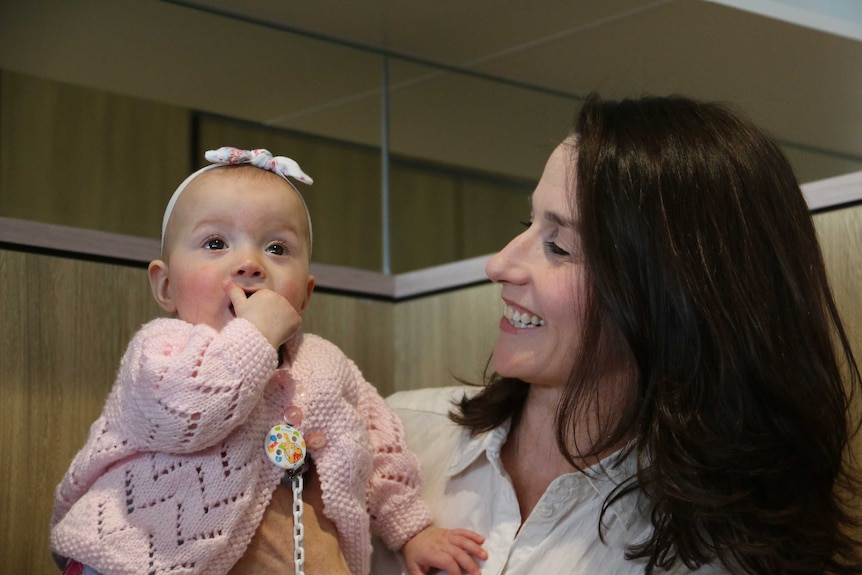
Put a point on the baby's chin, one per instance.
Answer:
(219, 323)
(215, 318)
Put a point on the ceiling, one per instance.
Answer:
(488, 85)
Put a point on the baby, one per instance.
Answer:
(213, 412)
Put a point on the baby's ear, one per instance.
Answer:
(308, 289)
(159, 280)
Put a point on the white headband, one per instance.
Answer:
(260, 158)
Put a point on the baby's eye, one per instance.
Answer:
(277, 249)
(215, 244)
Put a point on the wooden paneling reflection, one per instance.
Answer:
(85, 158)
(437, 214)
(444, 216)
(344, 200)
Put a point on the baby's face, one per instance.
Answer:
(248, 226)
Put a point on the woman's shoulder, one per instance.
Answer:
(434, 400)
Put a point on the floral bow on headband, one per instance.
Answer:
(260, 158)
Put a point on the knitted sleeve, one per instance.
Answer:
(182, 388)
(394, 503)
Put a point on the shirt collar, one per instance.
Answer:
(490, 442)
(603, 477)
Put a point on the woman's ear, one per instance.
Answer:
(159, 280)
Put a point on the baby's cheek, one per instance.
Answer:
(295, 292)
(202, 300)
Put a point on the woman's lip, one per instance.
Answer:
(518, 308)
(507, 327)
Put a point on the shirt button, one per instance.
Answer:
(545, 510)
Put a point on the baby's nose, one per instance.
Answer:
(249, 267)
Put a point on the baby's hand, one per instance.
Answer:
(450, 550)
(269, 311)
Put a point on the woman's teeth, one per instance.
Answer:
(520, 320)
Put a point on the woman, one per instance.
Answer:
(667, 393)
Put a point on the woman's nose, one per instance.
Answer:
(506, 266)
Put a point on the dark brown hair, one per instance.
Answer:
(703, 261)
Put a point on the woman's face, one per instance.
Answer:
(542, 276)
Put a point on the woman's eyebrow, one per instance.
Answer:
(561, 221)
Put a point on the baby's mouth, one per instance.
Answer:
(522, 319)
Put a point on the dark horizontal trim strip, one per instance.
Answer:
(822, 196)
(136, 251)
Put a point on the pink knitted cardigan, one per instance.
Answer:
(174, 478)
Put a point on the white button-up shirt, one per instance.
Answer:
(466, 486)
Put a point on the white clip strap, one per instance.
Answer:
(298, 530)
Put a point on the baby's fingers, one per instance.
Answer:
(468, 546)
(471, 535)
(235, 293)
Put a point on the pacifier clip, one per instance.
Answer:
(285, 448)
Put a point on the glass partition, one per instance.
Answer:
(106, 106)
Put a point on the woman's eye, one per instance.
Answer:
(555, 249)
(215, 244)
(277, 249)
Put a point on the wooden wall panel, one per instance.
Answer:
(65, 326)
(86, 158)
(840, 234)
(362, 328)
(423, 342)
(443, 337)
